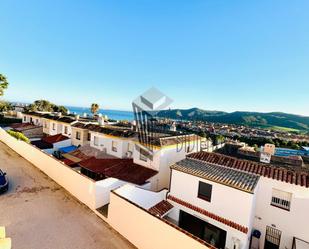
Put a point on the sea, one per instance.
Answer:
(111, 114)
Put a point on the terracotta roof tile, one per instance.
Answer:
(289, 175)
(55, 138)
(123, 169)
(161, 208)
(223, 175)
(213, 216)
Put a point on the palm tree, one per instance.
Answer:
(3, 84)
(94, 108)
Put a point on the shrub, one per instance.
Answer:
(18, 135)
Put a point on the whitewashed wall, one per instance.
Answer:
(142, 197)
(144, 230)
(227, 202)
(61, 144)
(105, 143)
(83, 188)
(69, 127)
(162, 160)
(291, 223)
(35, 120)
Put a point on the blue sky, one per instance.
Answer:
(216, 55)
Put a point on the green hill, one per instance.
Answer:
(275, 120)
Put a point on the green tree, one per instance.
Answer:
(219, 139)
(5, 106)
(3, 84)
(18, 135)
(46, 106)
(94, 108)
(61, 109)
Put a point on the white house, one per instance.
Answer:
(123, 143)
(281, 203)
(112, 140)
(53, 125)
(52, 143)
(225, 202)
(167, 151)
(212, 202)
(34, 118)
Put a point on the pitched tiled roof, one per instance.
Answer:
(123, 169)
(80, 125)
(223, 175)
(76, 156)
(111, 130)
(288, 175)
(68, 120)
(42, 145)
(37, 114)
(63, 119)
(22, 126)
(161, 208)
(55, 138)
(211, 215)
(68, 162)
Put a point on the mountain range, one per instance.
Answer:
(275, 120)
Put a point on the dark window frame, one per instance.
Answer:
(78, 135)
(203, 196)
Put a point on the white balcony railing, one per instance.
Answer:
(281, 199)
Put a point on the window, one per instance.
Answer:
(143, 155)
(114, 146)
(130, 147)
(188, 149)
(281, 199)
(54, 126)
(36, 121)
(88, 136)
(31, 120)
(204, 191)
(25, 118)
(78, 135)
(65, 130)
(96, 140)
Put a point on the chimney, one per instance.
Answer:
(133, 125)
(76, 117)
(101, 121)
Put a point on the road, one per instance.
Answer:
(39, 214)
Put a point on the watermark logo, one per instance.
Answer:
(152, 130)
(145, 108)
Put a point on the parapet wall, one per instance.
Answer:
(83, 188)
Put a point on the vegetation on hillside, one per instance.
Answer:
(18, 135)
(254, 119)
(3, 84)
(46, 106)
(261, 141)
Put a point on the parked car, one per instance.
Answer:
(4, 182)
